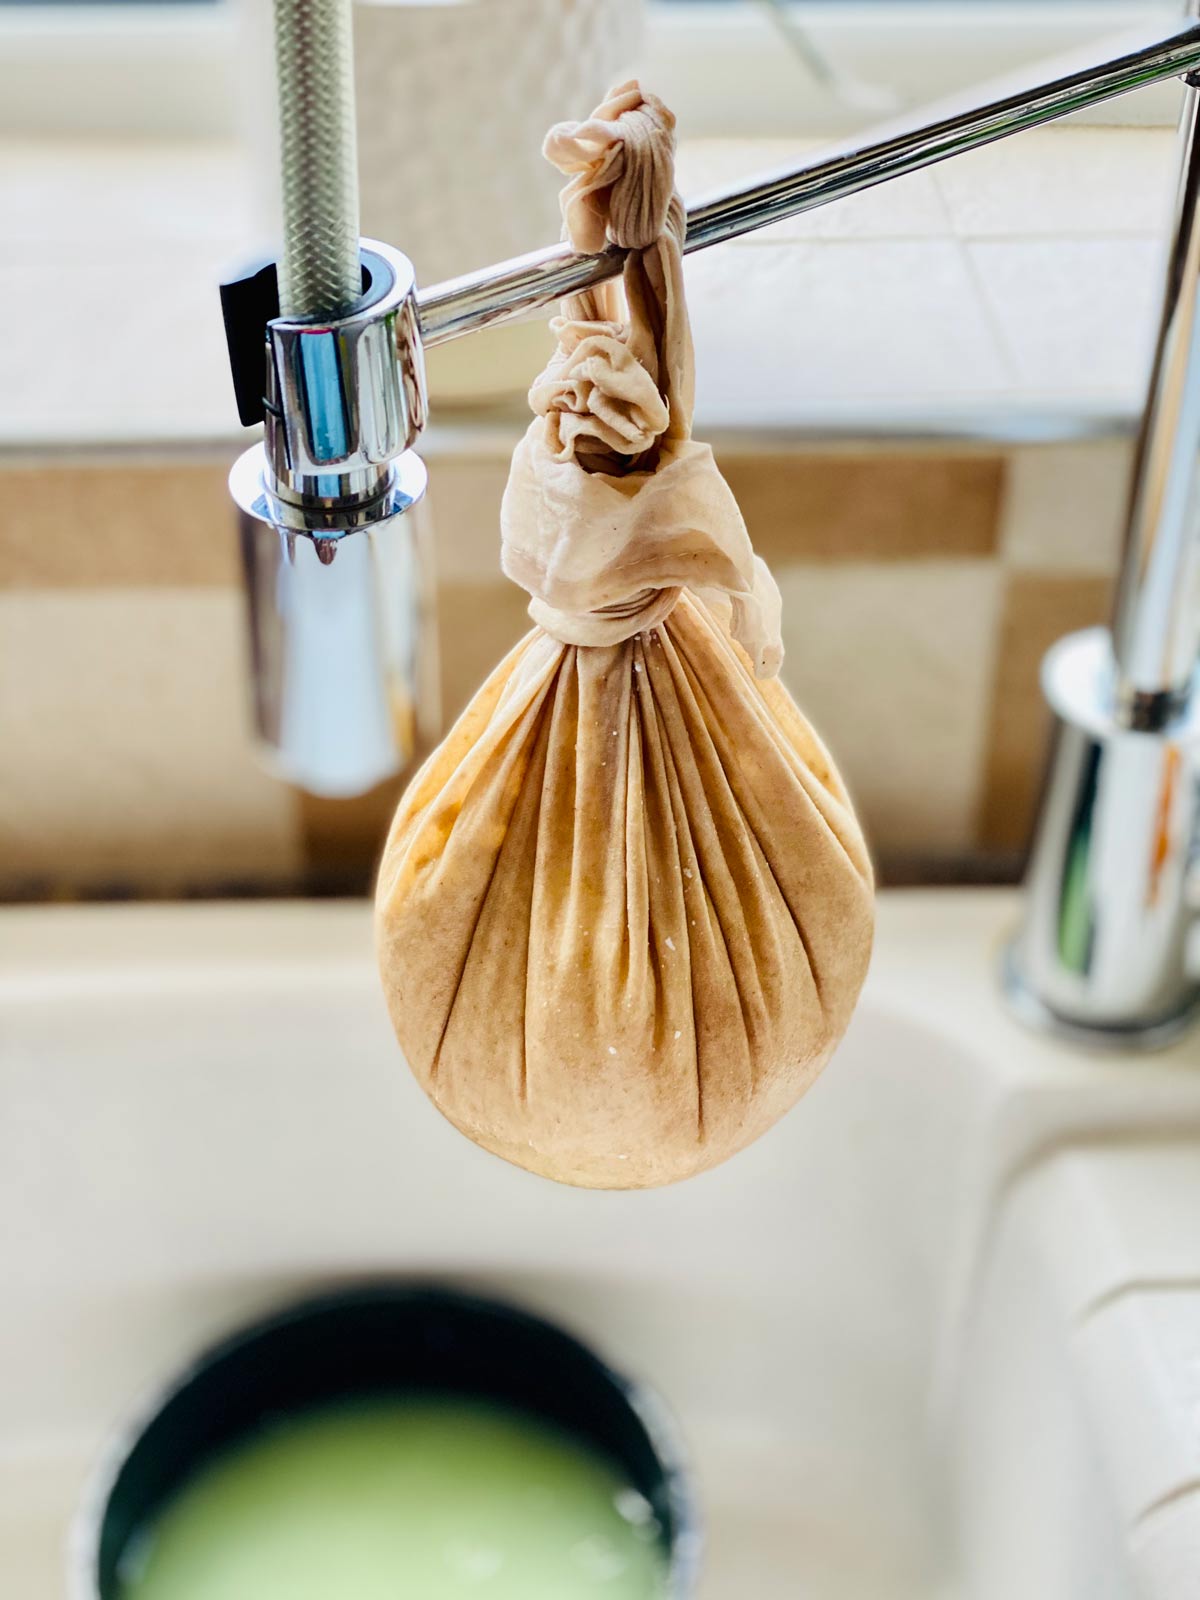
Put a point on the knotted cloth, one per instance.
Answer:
(625, 909)
(612, 508)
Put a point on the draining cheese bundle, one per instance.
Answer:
(625, 909)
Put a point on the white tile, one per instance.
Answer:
(158, 225)
(1063, 181)
(893, 663)
(145, 359)
(783, 330)
(1078, 316)
(1064, 505)
(704, 164)
(904, 208)
(872, 313)
(94, 193)
(127, 750)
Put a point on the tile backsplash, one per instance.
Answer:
(921, 586)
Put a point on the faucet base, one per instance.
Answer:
(1102, 956)
(338, 629)
(1029, 1009)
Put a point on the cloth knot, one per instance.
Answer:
(621, 163)
(597, 397)
(612, 509)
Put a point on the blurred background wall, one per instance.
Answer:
(924, 398)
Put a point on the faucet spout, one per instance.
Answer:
(336, 625)
(331, 560)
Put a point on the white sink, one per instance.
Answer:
(936, 1335)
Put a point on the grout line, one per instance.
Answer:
(1003, 344)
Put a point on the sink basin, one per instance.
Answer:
(938, 1334)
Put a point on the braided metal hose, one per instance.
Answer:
(319, 273)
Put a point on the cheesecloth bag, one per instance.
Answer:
(625, 909)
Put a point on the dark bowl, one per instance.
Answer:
(381, 1338)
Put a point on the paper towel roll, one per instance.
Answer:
(454, 100)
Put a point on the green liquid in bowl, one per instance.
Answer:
(401, 1499)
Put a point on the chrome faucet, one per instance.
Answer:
(1111, 891)
(1101, 954)
(329, 565)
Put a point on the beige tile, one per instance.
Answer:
(1037, 609)
(870, 505)
(343, 839)
(464, 506)
(800, 505)
(787, 332)
(1077, 316)
(117, 524)
(1061, 181)
(477, 624)
(1065, 504)
(126, 752)
(494, 367)
(894, 666)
